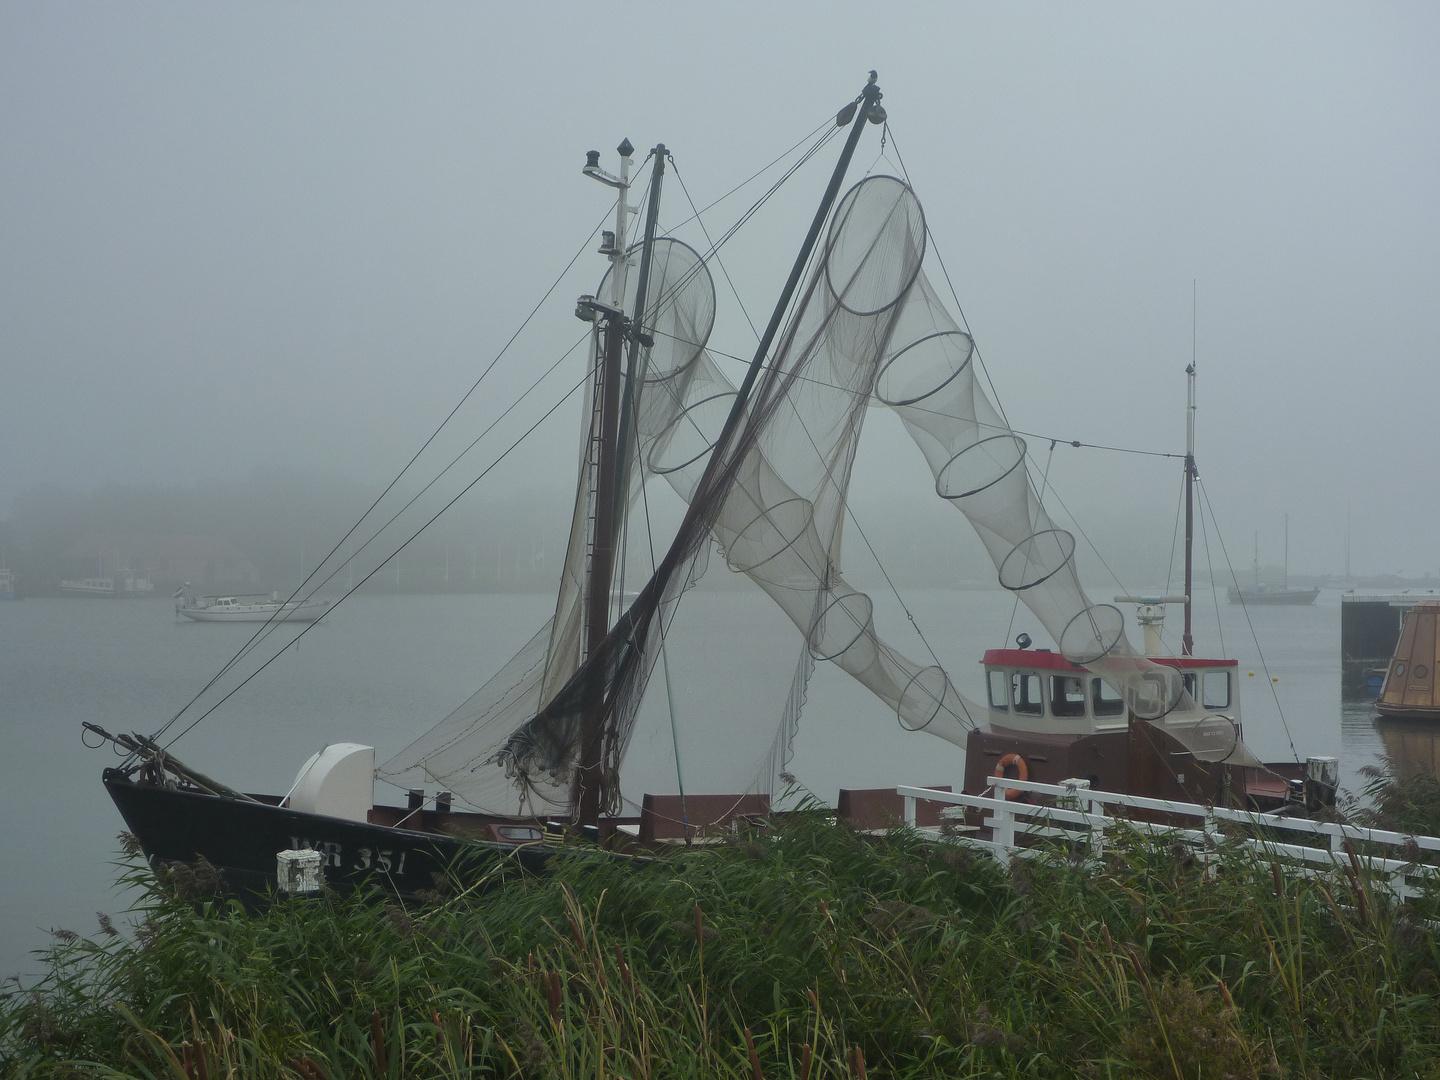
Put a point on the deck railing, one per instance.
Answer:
(1081, 822)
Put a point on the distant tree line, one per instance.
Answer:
(284, 524)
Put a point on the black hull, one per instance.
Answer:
(241, 839)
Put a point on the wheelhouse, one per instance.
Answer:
(1036, 690)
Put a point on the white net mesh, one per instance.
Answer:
(773, 499)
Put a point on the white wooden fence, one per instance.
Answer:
(1085, 819)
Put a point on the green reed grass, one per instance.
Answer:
(803, 952)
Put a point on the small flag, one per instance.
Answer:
(179, 593)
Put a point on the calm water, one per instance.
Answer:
(381, 670)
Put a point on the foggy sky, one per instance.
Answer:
(240, 236)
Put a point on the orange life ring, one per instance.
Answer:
(1022, 772)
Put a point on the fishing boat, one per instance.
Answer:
(247, 609)
(1410, 690)
(1050, 719)
(761, 469)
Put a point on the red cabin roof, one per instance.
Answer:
(1044, 658)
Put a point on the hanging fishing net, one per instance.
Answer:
(768, 486)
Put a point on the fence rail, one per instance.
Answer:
(1086, 821)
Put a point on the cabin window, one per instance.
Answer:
(1104, 700)
(999, 691)
(1067, 695)
(1420, 671)
(1025, 692)
(1215, 690)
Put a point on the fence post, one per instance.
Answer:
(1211, 828)
(910, 815)
(1072, 800)
(1003, 829)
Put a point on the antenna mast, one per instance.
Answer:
(1187, 642)
(612, 327)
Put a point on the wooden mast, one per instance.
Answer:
(611, 328)
(588, 776)
(611, 478)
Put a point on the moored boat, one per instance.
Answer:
(761, 469)
(1273, 594)
(120, 583)
(249, 609)
(1410, 690)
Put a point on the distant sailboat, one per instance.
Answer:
(1273, 594)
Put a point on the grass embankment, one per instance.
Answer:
(809, 952)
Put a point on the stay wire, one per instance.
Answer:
(272, 624)
(828, 122)
(463, 491)
(1264, 666)
(265, 630)
(715, 245)
(1214, 592)
(1049, 459)
(1078, 444)
(664, 628)
(965, 322)
(715, 253)
(744, 219)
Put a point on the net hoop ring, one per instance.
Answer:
(862, 626)
(837, 227)
(1062, 539)
(939, 698)
(1170, 702)
(896, 403)
(766, 515)
(1234, 741)
(669, 430)
(699, 271)
(1100, 649)
(1015, 440)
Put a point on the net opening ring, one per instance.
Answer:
(1022, 772)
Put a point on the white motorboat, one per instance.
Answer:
(249, 609)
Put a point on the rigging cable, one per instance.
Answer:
(1078, 444)
(270, 624)
(895, 145)
(1205, 495)
(827, 123)
(664, 633)
(484, 472)
(1214, 593)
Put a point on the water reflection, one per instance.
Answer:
(1400, 747)
(1411, 746)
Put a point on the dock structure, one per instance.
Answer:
(1370, 628)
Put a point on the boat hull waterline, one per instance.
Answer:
(243, 839)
